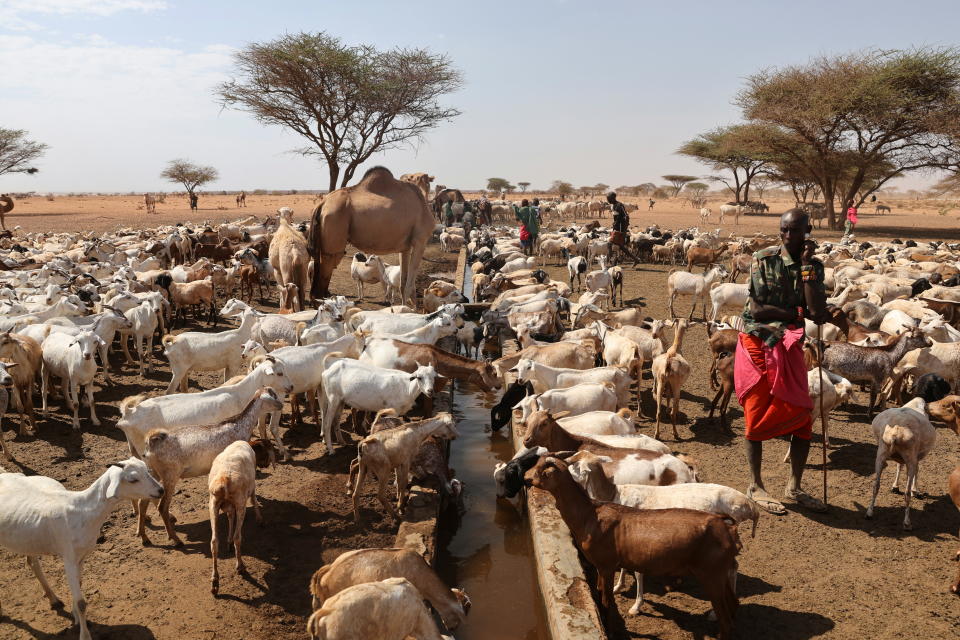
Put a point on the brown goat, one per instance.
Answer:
(249, 276)
(25, 352)
(723, 341)
(723, 367)
(706, 257)
(659, 542)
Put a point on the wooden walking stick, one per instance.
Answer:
(823, 414)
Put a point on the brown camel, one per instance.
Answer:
(451, 195)
(422, 180)
(378, 215)
(6, 206)
(288, 255)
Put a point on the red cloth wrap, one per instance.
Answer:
(771, 386)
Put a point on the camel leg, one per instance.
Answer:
(415, 256)
(323, 273)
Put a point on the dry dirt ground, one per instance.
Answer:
(135, 592)
(832, 575)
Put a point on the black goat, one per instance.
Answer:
(502, 412)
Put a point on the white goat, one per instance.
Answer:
(195, 351)
(692, 284)
(39, 516)
(71, 358)
(368, 388)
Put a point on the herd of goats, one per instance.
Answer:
(569, 383)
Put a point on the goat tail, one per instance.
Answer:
(315, 589)
(896, 436)
(333, 354)
(624, 413)
(315, 624)
(168, 340)
(129, 404)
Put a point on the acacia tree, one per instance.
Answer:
(646, 188)
(890, 112)
(563, 189)
(696, 193)
(16, 152)
(188, 174)
(348, 102)
(737, 149)
(523, 186)
(678, 181)
(499, 184)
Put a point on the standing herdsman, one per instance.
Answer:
(786, 287)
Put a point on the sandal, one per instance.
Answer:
(766, 502)
(806, 501)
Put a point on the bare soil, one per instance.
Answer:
(833, 575)
(136, 592)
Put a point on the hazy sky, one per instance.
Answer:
(598, 91)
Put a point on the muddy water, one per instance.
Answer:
(487, 550)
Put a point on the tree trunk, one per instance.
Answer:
(829, 192)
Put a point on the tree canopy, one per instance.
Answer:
(348, 102)
(499, 184)
(564, 189)
(738, 149)
(188, 174)
(853, 122)
(678, 181)
(523, 186)
(17, 153)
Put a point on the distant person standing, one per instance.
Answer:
(193, 201)
(851, 220)
(448, 215)
(529, 225)
(621, 227)
(652, 202)
(467, 220)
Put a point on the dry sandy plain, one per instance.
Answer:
(833, 575)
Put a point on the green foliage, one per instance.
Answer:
(188, 174)
(348, 102)
(678, 181)
(562, 188)
(499, 184)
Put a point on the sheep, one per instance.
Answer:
(393, 450)
(38, 516)
(391, 609)
(371, 565)
(25, 353)
(906, 436)
(232, 482)
(368, 388)
(586, 469)
(139, 414)
(188, 452)
(196, 351)
(686, 283)
(71, 358)
(192, 294)
(657, 542)
(670, 370)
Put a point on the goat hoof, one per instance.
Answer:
(907, 526)
(634, 610)
(868, 516)
(57, 604)
(895, 490)
(145, 541)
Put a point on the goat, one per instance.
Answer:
(686, 283)
(26, 354)
(706, 257)
(670, 370)
(196, 351)
(71, 358)
(658, 542)
(372, 565)
(871, 365)
(188, 452)
(391, 609)
(6, 384)
(586, 469)
(38, 517)
(233, 482)
(393, 450)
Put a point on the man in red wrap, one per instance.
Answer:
(786, 286)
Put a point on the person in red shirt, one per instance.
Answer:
(851, 219)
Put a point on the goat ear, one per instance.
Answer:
(113, 482)
(560, 414)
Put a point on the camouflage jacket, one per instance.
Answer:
(775, 280)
